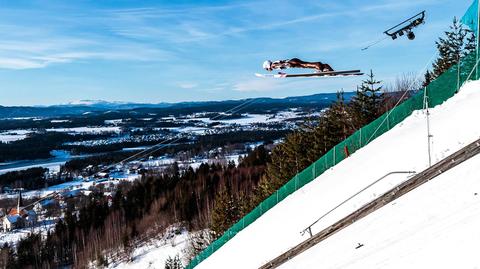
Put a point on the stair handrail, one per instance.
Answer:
(309, 227)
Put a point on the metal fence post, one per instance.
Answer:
(478, 38)
(388, 121)
(334, 155)
(360, 137)
(458, 74)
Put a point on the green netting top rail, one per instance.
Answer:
(439, 90)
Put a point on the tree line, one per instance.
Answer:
(149, 205)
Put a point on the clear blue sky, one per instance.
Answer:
(167, 51)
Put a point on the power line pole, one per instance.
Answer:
(478, 38)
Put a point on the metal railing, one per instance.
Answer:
(309, 228)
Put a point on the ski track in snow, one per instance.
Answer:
(409, 233)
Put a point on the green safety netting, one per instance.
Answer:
(439, 90)
(471, 19)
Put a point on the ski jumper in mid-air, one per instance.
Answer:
(296, 63)
(320, 69)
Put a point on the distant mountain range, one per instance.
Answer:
(86, 106)
(110, 105)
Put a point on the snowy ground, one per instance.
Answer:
(246, 120)
(59, 121)
(113, 122)
(249, 119)
(53, 164)
(453, 125)
(188, 130)
(88, 130)
(13, 135)
(14, 236)
(435, 226)
(77, 184)
(155, 253)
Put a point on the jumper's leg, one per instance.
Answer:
(327, 68)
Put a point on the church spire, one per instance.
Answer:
(19, 202)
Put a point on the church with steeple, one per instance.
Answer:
(19, 217)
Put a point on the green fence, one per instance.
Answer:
(439, 90)
(471, 19)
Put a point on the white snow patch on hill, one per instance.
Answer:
(454, 124)
(13, 135)
(155, 253)
(12, 237)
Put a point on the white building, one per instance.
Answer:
(19, 217)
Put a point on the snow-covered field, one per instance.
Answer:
(89, 130)
(53, 166)
(13, 135)
(14, 236)
(155, 253)
(162, 161)
(59, 121)
(188, 129)
(114, 122)
(73, 185)
(453, 125)
(248, 119)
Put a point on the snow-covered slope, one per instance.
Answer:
(155, 253)
(434, 226)
(453, 124)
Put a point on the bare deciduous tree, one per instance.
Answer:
(401, 89)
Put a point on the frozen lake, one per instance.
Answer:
(59, 158)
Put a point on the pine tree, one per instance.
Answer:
(470, 43)
(227, 211)
(174, 263)
(338, 120)
(452, 47)
(366, 104)
(334, 126)
(427, 79)
(264, 189)
(289, 158)
(469, 53)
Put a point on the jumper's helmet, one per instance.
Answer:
(267, 65)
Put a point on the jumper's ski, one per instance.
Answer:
(318, 74)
